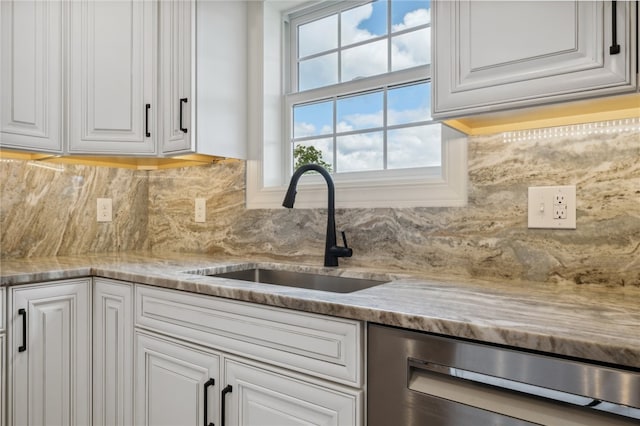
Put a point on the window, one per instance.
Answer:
(351, 81)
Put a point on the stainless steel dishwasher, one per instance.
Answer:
(417, 378)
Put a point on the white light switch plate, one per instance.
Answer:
(552, 207)
(201, 210)
(105, 210)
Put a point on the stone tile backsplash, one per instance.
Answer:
(46, 211)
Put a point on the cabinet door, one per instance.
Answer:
(496, 55)
(112, 353)
(176, 18)
(50, 354)
(31, 79)
(264, 397)
(176, 384)
(113, 106)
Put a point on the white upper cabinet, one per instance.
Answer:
(113, 106)
(496, 55)
(31, 80)
(175, 76)
(203, 77)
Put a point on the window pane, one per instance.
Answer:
(363, 61)
(408, 14)
(414, 147)
(411, 49)
(313, 119)
(360, 112)
(318, 72)
(318, 151)
(318, 36)
(363, 22)
(360, 152)
(409, 104)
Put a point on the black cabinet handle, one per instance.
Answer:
(182, 102)
(614, 49)
(227, 389)
(23, 312)
(208, 383)
(146, 120)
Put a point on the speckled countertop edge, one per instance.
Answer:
(590, 322)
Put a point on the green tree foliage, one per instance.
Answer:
(309, 155)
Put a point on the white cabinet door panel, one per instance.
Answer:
(170, 383)
(31, 75)
(50, 379)
(112, 353)
(176, 23)
(260, 397)
(112, 77)
(496, 55)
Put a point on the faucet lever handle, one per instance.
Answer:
(344, 239)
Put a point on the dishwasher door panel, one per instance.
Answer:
(420, 379)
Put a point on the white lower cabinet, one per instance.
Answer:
(112, 353)
(258, 396)
(49, 353)
(176, 384)
(106, 352)
(276, 366)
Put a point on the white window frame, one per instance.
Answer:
(268, 166)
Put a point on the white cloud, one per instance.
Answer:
(413, 19)
(363, 61)
(301, 130)
(408, 116)
(360, 152)
(411, 49)
(351, 19)
(360, 121)
(414, 147)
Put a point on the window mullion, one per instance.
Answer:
(339, 48)
(335, 139)
(384, 133)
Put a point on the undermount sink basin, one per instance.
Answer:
(301, 280)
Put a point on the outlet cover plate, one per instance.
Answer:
(544, 201)
(104, 209)
(201, 210)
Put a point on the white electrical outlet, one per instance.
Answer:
(104, 210)
(552, 207)
(201, 209)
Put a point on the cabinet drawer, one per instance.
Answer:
(318, 345)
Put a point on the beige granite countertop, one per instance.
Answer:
(592, 322)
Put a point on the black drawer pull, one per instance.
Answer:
(146, 120)
(614, 49)
(23, 312)
(227, 389)
(208, 383)
(182, 102)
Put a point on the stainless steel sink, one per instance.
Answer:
(301, 280)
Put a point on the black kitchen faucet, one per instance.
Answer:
(331, 252)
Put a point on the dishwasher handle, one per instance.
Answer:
(447, 382)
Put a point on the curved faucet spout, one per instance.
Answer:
(332, 251)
